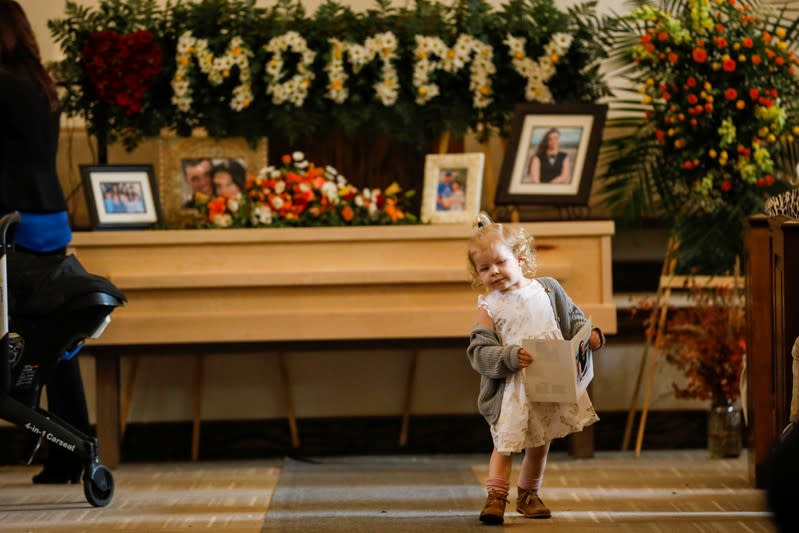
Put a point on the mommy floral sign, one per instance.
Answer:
(408, 73)
(430, 55)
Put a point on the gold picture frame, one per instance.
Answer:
(174, 150)
(452, 187)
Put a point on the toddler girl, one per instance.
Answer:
(518, 306)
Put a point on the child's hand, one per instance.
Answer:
(525, 358)
(595, 342)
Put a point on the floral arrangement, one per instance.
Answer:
(121, 68)
(238, 69)
(116, 62)
(299, 193)
(707, 341)
(718, 88)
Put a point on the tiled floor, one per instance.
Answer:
(614, 491)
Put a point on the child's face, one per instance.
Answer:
(497, 267)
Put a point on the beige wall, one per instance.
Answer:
(326, 383)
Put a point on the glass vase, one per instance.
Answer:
(725, 430)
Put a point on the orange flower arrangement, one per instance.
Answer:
(706, 340)
(717, 81)
(299, 193)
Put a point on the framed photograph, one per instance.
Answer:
(121, 196)
(551, 155)
(201, 164)
(452, 187)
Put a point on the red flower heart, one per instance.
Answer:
(122, 67)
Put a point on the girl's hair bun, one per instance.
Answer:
(482, 220)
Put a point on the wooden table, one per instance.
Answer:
(205, 289)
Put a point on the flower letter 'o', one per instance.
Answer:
(295, 89)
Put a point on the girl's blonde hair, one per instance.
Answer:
(487, 232)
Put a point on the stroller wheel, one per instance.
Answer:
(98, 486)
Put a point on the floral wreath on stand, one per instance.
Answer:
(718, 84)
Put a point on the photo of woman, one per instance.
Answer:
(551, 161)
(228, 177)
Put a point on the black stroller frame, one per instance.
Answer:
(22, 373)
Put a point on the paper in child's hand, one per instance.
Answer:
(561, 369)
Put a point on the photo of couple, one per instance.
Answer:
(212, 177)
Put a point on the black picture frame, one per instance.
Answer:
(121, 196)
(579, 127)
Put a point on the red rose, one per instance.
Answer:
(730, 94)
(121, 67)
(699, 55)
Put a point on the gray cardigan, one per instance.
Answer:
(495, 361)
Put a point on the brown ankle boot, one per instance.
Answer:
(494, 510)
(530, 505)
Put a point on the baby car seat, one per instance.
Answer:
(50, 306)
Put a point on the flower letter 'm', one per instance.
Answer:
(216, 68)
(383, 45)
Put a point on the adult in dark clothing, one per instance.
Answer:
(29, 183)
(782, 467)
(549, 164)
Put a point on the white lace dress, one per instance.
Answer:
(524, 423)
